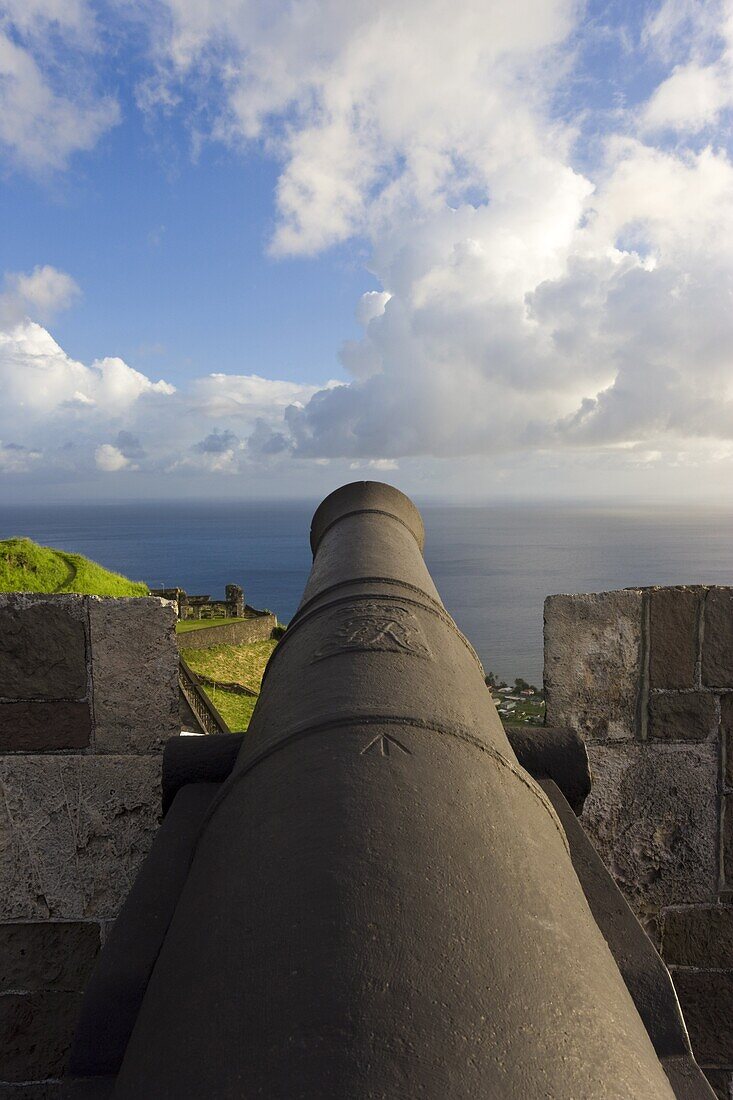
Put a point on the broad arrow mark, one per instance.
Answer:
(383, 744)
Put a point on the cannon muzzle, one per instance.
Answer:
(380, 901)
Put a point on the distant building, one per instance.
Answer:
(203, 607)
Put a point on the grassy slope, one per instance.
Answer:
(238, 664)
(27, 567)
(236, 710)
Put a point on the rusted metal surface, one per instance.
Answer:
(381, 901)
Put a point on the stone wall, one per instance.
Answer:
(88, 696)
(256, 629)
(646, 675)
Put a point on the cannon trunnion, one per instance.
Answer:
(368, 895)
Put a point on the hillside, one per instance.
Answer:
(27, 567)
(224, 665)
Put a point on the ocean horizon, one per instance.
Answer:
(493, 564)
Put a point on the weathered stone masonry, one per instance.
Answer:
(255, 629)
(646, 675)
(88, 696)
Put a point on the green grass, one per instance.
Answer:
(27, 567)
(184, 625)
(236, 710)
(232, 664)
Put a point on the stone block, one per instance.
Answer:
(706, 999)
(682, 716)
(727, 838)
(726, 726)
(653, 817)
(35, 1034)
(43, 651)
(700, 936)
(673, 636)
(134, 674)
(73, 832)
(30, 726)
(47, 955)
(593, 654)
(717, 646)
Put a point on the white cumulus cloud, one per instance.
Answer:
(110, 458)
(40, 294)
(48, 109)
(536, 292)
(40, 379)
(524, 302)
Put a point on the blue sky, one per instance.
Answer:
(478, 250)
(171, 256)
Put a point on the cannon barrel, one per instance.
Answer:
(380, 901)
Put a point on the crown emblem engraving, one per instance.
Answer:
(385, 627)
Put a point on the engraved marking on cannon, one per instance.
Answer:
(389, 627)
(384, 745)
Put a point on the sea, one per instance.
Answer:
(493, 564)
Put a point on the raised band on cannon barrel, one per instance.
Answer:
(375, 899)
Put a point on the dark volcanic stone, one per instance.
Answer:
(47, 955)
(35, 1034)
(726, 722)
(42, 651)
(653, 816)
(728, 841)
(682, 717)
(717, 646)
(673, 637)
(701, 937)
(706, 997)
(28, 726)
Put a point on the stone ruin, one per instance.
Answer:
(203, 607)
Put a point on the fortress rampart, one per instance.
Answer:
(88, 696)
(646, 675)
(257, 627)
(89, 693)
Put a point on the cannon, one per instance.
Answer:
(376, 892)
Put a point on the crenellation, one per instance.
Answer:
(717, 653)
(594, 663)
(80, 801)
(673, 636)
(89, 693)
(661, 814)
(690, 715)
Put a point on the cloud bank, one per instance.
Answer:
(539, 290)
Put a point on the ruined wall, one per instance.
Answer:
(203, 607)
(646, 675)
(256, 629)
(88, 696)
